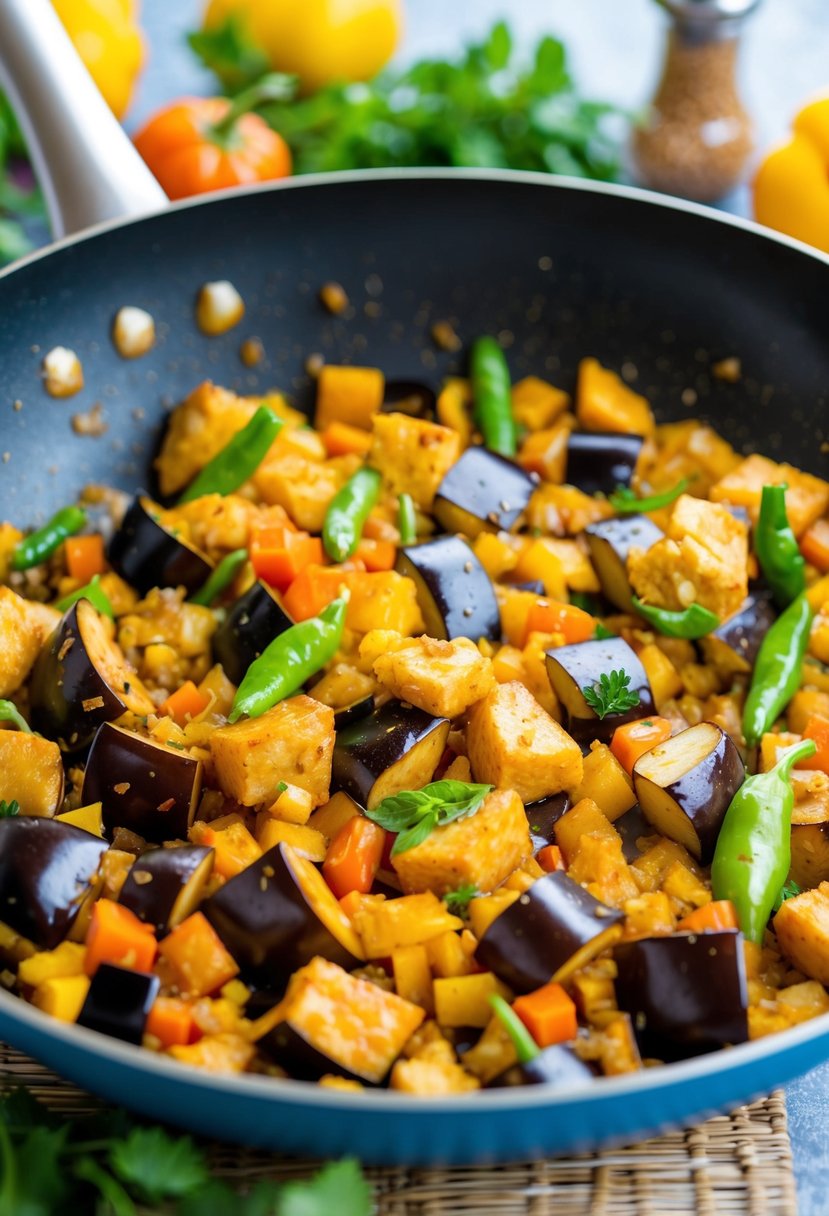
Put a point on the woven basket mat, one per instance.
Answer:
(735, 1165)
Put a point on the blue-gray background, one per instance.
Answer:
(615, 50)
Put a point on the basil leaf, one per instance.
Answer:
(417, 834)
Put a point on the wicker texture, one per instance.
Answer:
(735, 1165)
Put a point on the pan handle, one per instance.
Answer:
(87, 167)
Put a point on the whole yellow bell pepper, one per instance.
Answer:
(107, 38)
(791, 189)
(320, 41)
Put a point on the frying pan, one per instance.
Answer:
(558, 269)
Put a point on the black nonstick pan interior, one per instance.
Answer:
(657, 291)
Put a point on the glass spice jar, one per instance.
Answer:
(696, 136)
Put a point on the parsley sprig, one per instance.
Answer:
(787, 891)
(414, 814)
(457, 901)
(625, 501)
(611, 694)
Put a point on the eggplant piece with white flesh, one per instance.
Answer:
(685, 785)
(81, 679)
(810, 840)
(554, 928)
(580, 665)
(542, 817)
(118, 1002)
(147, 787)
(609, 542)
(250, 626)
(556, 1065)
(454, 591)
(482, 492)
(164, 886)
(147, 553)
(277, 915)
(396, 747)
(47, 868)
(733, 646)
(599, 462)
(686, 992)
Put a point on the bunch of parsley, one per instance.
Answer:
(486, 109)
(109, 1165)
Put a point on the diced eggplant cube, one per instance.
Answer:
(686, 992)
(610, 541)
(147, 554)
(454, 591)
(143, 786)
(733, 646)
(118, 1002)
(556, 1065)
(550, 931)
(397, 747)
(164, 886)
(598, 462)
(251, 624)
(542, 817)
(685, 785)
(482, 492)
(580, 665)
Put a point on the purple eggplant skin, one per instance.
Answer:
(482, 492)
(579, 665)
(392, 734)
(144, 786)
(119, 1002)
(411, 397)
(301, 1059)
(46, 869)
(610, 541)
(535, 936)
(268, 922)
(147, 555)
(686, 992)
(632, 826)
(454, 591)
(735, 643)
(598, 462)
(542, 817)
(352, 713)
(164, 886)
(251, 624)
(556, 1065)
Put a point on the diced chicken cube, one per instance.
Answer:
(444, 678)
(802, 928)
(303, 487)
(20, 641)
(413, 455)
(807, 497)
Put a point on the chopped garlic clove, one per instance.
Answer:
(62, 372)
(219, 307)
(133, 332)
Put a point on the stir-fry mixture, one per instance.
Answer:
(469, 738)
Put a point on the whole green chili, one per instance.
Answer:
(239, 459)
(347, 513)
(753, 852)
(220, 579)
(692, 622)
(291, 658)
(777, 549)
(35, 548)
(777, 669)
(525, 1045)
(492, 394)
(625, 501)
(10, 713)
(92, 592)
(406, 520)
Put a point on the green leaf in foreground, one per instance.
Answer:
(157, 1166)
(338, 1188)
(414, 814)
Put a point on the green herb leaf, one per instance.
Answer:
(602, 632)
(625, 501)
(230, 51)
(414, 814)
(156, 1166)
(457, 902)
(787, 891)
(9, 809)
(339, 1187)
(611, 695)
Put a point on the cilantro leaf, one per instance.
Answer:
(8, 809)
(339, 1187)
(414, 814)
(611, 694)
(787, 891)
(457, 902)
(230, 51)
(156, 1166)
(602, 632)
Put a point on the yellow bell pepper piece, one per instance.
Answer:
(107, 38)
(791, 189)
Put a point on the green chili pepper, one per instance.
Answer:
(239, 459)
(36, 548)
(92, 592)
(777, 549)
(753, 852)
(347, 513)
(406, 520)
(291, 658)
(220, 579)
(777, 669)
(693, 622)
(624, 501)
(492, 394)
(10, 713)
(525, 1045)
